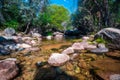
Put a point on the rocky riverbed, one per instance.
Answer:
(86, 66)
(58, 59)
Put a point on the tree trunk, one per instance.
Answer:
(27, 28)
(106, 16)
(2, 20)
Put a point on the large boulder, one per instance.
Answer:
(57, 59)
(111, 35)
(8, 69)
(9, 32)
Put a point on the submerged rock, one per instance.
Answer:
(115, 77)
(101, 49)
(8, 69)
(57, 59)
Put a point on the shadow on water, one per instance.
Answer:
(48, 72)
(95, 76)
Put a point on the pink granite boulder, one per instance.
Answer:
(8, 69)
(57, 59)
(69, 50)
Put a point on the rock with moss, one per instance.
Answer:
(111, 36)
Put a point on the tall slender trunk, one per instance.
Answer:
(106, 16)
(27, 28)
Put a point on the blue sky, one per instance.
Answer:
(71, 5)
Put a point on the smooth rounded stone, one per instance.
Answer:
(57, 59)
(58, 37)
(36, 35)
(33, 43)
(9, 32)
(49, 37)
(34, 49)
(74, 56)
(89, 47)
(1, 46)
(4, 51)
(68, 50)
(99, 50)
(12, 37)
(11, 59)
(115, 77)
(77, 46)
(10, 47)
(57, 33)
(111, 35)
(85, 38)
(23, 45)
(8, 69)
(101, 45)
(27, 41)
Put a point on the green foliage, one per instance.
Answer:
(12, 24)
(57, 15)
(52, 17)
(100, 40)
(21, 11)
(10, 11)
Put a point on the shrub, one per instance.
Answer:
(100, 40)
(12, 24)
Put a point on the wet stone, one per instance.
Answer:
(9, 31)
(57, 59)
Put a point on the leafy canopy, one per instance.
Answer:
(57, 15)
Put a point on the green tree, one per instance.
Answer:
(53, 17)
(57, 15)
(93, 15)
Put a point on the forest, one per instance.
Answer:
(91, 14)
(59, 39)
